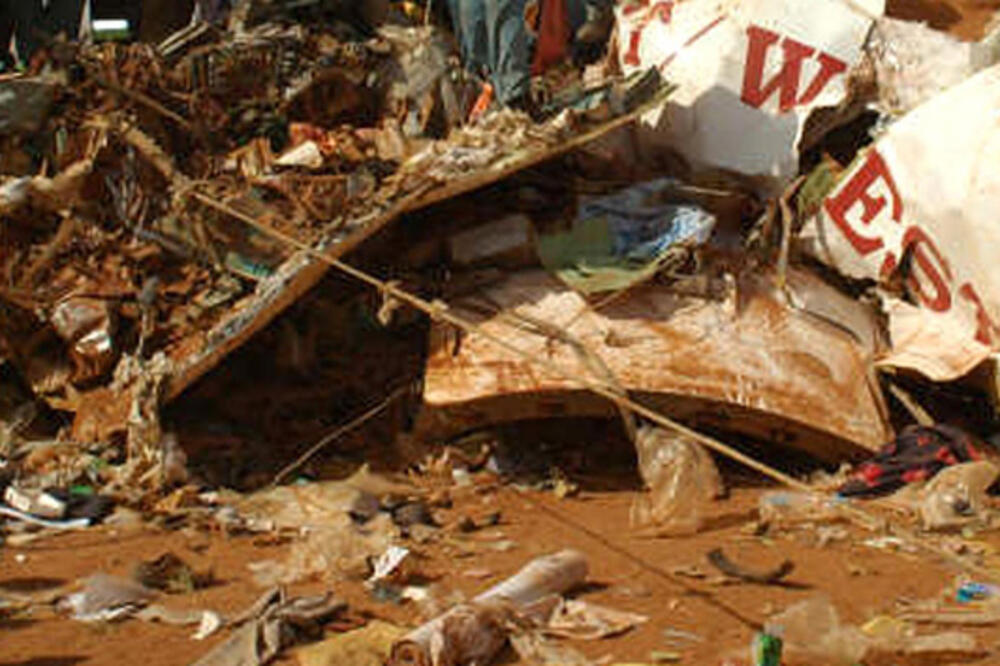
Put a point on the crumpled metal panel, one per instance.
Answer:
(799, 374)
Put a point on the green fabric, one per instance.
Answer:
(582, 258)
(623, 238)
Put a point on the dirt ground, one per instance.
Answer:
(655, 577)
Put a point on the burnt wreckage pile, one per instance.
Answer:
(741, 256)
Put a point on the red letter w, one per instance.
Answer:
(786, 82)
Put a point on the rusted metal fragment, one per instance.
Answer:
(112, 256)
(88, 326)
(798, 373)
(48, 194)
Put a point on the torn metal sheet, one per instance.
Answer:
(106, 597)
(88, 326)
(919, 208)
(799, 374)
(748, 73)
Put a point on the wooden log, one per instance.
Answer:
(474, 632)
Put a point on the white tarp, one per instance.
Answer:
(924, 203)
(748, 72)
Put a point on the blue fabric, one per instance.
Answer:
(493, 38)
(468, 19)
(510, 51)
(642, 228)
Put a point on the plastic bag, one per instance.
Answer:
(956, 495)
(681, 478)
(891, 635)
(318, 505)
(337, 551)
(812, 629)
(783, 508)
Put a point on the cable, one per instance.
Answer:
(341, 430)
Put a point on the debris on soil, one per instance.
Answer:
(169, 573)
(475, 631)
(719, 560)
(367, 646)
(106, 598)
(274, 623)
(404, 297)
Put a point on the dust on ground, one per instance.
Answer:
(676, 587)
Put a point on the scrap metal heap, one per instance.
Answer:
(122, 283)
(160, 206)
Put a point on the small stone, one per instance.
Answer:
(856, 569)
(412, 513)
(754, 528)
(689, 572)
(125, 519)
(503, 546)
(633, 590)
(478, 573)
(829, 534)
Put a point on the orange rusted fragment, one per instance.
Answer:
(797, 374)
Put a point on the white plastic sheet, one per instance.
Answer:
(748, 73)
(922, 204)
